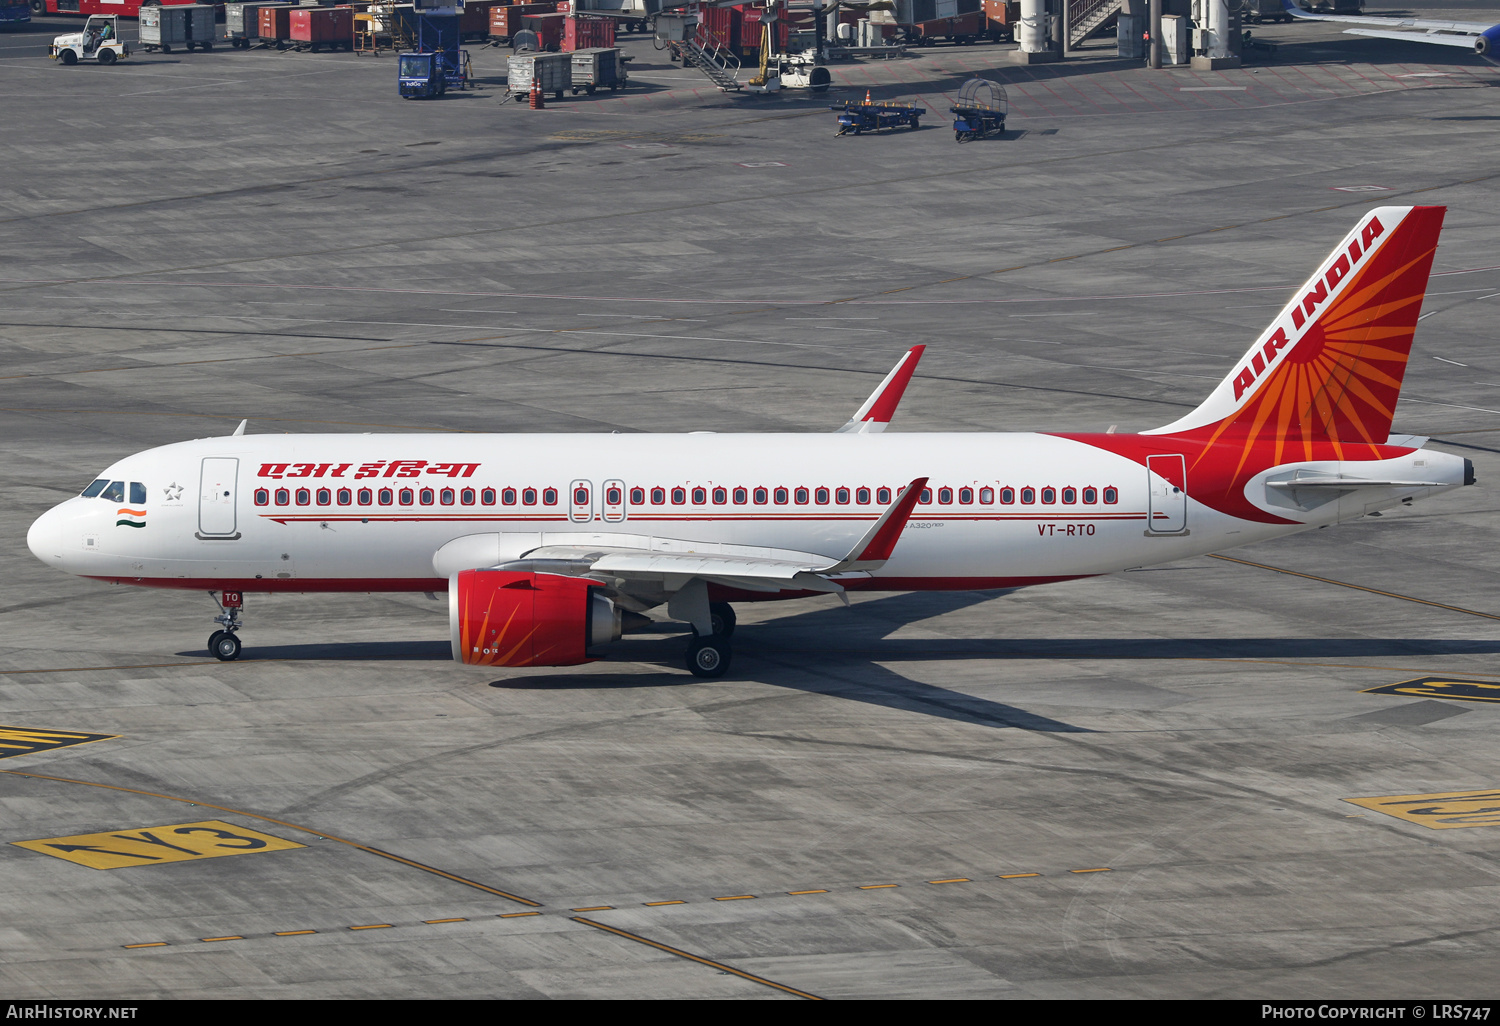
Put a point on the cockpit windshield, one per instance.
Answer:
(137, 493)
(95, 488)
(114, 492)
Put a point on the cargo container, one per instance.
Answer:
(275, 25)
(554, 71)
(548, 29)
(1001, 17)
(313, 28)
(598, 68)
(963, 29)
(506, 21)
(190, 26)
(474, 19)
(580, 32)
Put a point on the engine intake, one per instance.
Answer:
(521, 618)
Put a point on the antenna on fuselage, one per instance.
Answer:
(241, 429)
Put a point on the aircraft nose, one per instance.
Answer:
(45, 536)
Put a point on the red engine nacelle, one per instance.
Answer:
(518, 618)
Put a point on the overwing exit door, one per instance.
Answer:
(1167, 479)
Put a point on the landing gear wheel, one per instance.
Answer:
(226, 647)
(721, 615)
(213, 641)
(708, 657)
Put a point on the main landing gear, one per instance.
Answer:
(223, 645)
(709, 656)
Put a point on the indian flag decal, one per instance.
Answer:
(131, 518)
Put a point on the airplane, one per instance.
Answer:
(1474, 36)
(550, 546)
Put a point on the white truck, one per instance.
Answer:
(99, 41)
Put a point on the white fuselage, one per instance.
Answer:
(308, 513)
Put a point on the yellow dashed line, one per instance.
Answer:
(593, 908)
(211, 940)
(807, 892)
(876, 887)
(1102, 869)
(735, 897)
(1016, 876)
(956, 879)
(147, 944)
(674, 901)
(293, 933)
(516, 915)
(372, 926)
(434, 922)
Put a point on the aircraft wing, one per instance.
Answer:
(875, 415)
(1471, 35)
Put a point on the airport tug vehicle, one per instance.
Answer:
(99, 42)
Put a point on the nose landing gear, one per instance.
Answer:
(223, 645)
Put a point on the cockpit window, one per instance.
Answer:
(115, 492)
(137, 493)
(95, 488)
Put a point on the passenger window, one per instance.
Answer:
(549, 496)
(781, 496)
(612, 496)
(508, 497)
(926, 495)
(528, 496)
(637, 496)
(821, 496)
(487, 496)
(386, 496)
(945, 496)
(679, 496)
(304, 497)
(345, 496)
(466, 496)
(137, 493)
(426, 496)
(1028, 495)
(841, 496)
(883, 496)
(407, 496)
(262, 497)
(114, 491)
(1091, 495)
(446, 496)
(761, 496)
(95, 488)
(325, 497)
(741, 496)
(721, 496)
(987, 496)
(658, 496)
(1007, 496)
(965, 496)
(1070, 495)
(366, 497)
(283, 497)
(581, 496)
(801, 495)
(862, 496)
(1049, 495)
(1111, 496)
(699, 496)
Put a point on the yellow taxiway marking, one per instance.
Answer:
(372, 926)
(1016, 876)
(211, 940)
(592, 908)
(1441, 687)
(674, 901)
(876, 887)
(1101, 869)
(148, 944)
(729, 897)
(696, 958)
(178, 842)
(956, 879)
(292, 933)
(1360, 587)
(516, 915)
(808, 892)
(434, 922)
(16, 741)
(1445, 810)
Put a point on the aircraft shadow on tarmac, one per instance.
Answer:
(845, 653)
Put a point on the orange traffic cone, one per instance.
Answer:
(537, 100)
(867, 96)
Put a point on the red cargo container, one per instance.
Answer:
(316, 27)
(474, 20)
(548, 29)
(1001, 17)
(581, 32)
(505, 21)
(719, 26)
(966, 28)
(752, 31)
(276, 25)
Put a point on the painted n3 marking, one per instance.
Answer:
(178, 842)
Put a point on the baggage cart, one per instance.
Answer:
(553, 71)
(190, 26)
(313, 28)
(275, 25)
(599, 67)
(859, 118)
(980, 110)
